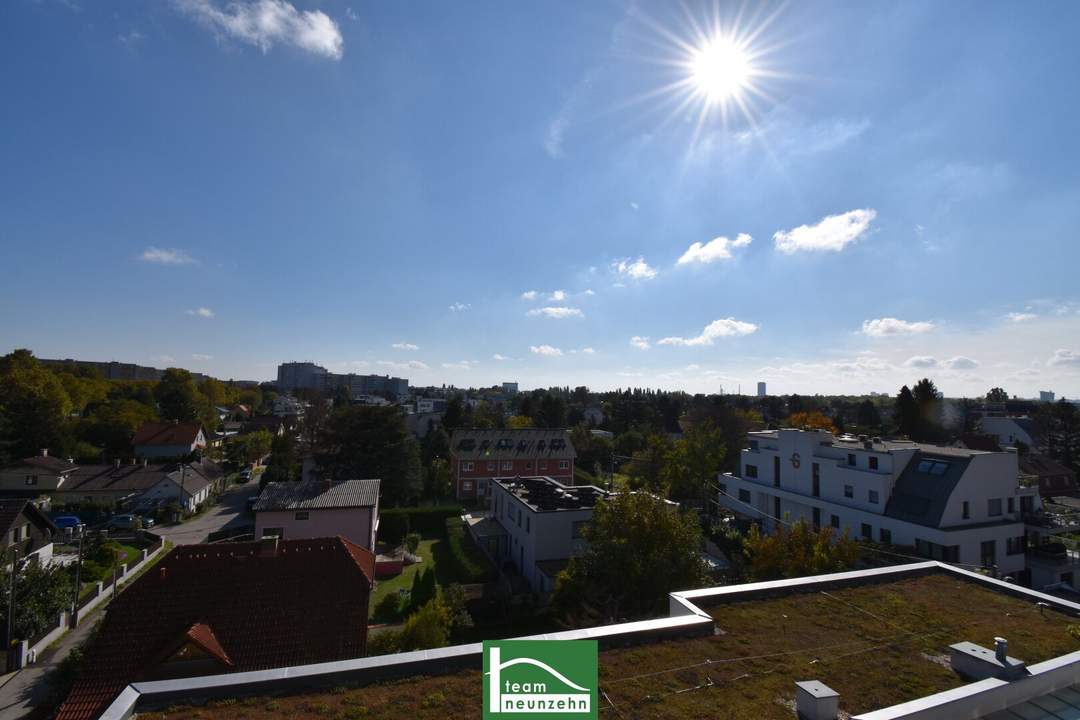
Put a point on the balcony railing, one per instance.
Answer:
(1053, 521)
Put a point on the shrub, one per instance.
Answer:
(412, 542)
(396, 523)
(471, 564)
(388, 609)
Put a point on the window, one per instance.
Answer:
(467, 485)
(867, 531)
(1012, 505)
(528, 523)
(508, 465)
(873, 497)
(873, 463)
(993, 507)
(834, 521)
(519, 513)
(885, 536)
(816, 490)
(744, 496)
(817, 518)
(754, 445)
(966, 510)
(564, 464)
(491, 467)
(301, 515)
(273, 532)
(1014, 545)
(851, 459)
(776, 471)
(31, 479)
(577, 529)
(751, 471)
(932, 467)
(849, 491)
(988, 553)
(467, 467)
(543, 464)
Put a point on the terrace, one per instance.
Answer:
(543, 494)
(879, 639)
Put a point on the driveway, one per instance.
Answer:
(231, 511)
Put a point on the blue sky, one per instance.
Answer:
(471, 193)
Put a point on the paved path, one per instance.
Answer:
(230, 511)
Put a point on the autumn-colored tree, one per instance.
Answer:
(814, 420)
(519, 422)
(798, 550)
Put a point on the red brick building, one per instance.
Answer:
(478, 456)
(213, 609)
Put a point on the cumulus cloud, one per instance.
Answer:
(716, 249)
(405, 346)
(459, 307)
(726, 327)
(634, 269)
(1065, 358)
(558, 313)
(881, 327)
(460, 365)
(640, 342)
(530, 295)
(832, 233)
(163, 359)
(264, 23)
(201, 312)
(395, 365)
(166, 256)
(961, 363)
(588, 350)
(201, 356)
(557, 296)
(545, 350)
(922, 362)
(1018, 317)
(499, 357)
(589, 292)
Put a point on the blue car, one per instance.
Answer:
(67, 521)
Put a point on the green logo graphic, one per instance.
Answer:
(545, 679)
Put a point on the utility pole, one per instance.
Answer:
(182, 469)
(11, 606)
(78, 577)
(115, 569)
(611, 475)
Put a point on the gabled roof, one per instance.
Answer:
(12, 508)
(922, 491)
(509, 444)
(167, 434)
(303, 602)
(318, 494)
(975, 441)
(140, 477)
(49, 464)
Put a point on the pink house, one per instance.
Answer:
(319, 509)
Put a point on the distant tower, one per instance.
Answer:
(761, 389)
(1046, 396)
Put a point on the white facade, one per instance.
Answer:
(1008, 431)
(960, 506)
(535, 535)
(195, 491)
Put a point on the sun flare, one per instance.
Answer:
(720, 69)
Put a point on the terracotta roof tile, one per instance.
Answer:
(166, 434)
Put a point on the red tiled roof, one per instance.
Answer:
(167, 434)
(306, 603)
(49, 464)
(202, 635)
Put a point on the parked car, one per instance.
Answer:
(245, 476)
(147, 521)
(122, 522)
(251, 502)
(67, 521)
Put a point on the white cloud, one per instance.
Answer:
(131, 39)
(201, 356)
(499, 357)
(881, 327)
(589, 292)
(264, 23)
(460, 307)
(553, 140)
(588, 351)
(166, 256)
(832, 233)
(395, 365)
(163, 359)
(351, 14)
(405, 346)
(961, 363)
(635, 269)
(716, 249)
(557, 313)
(545, 350)
(530, 295)
(1065, 358)
(922, 362)
(726, 327)
(640, 342)
(634, 206)
(1020, 316)
(201, 312)
(460, 365)
(557, 296)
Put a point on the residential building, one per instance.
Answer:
(320, 508)
(479, 456)
(420, 424)
(273, 424)
(510, 388)
(430, 405)
(36, 475)
(26, 528)
(287, 406)
(1010, 430)
(228, 608)
(924, 641)
(1046, 396)
(543, 521)
(189, 484)
(301, 376)
(168, 440)
(761, 392)
(950, 504)
(306, 375)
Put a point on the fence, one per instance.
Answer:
(26, 651)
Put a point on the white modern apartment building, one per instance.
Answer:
(950, 504)
(544, 522)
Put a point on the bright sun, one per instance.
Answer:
(720, 70)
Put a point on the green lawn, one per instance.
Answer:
(426, 550)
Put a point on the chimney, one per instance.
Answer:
(814, 700)
(163, 572)
(978, 663)
(268, 546)
(1001, 650)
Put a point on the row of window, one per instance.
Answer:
(993, 507)
(508, 465)
(872, 461)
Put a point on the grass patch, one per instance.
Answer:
(404, 581)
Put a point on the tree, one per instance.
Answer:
(284, 465)
(868, 416)
(519, 422)
(697, 457)
(437, 479)
(906, 412)
(250, 448)
(552, 412)
(367, 441)
(436, 444)
(814, 420)
(33, 406)
(316, 415)
(929, 427)
(177, 397)
(647, 469)
(454, 417)
(41, 594)
(996, 395)
(797, 551)
(640, 549)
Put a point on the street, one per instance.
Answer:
(231, 511)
